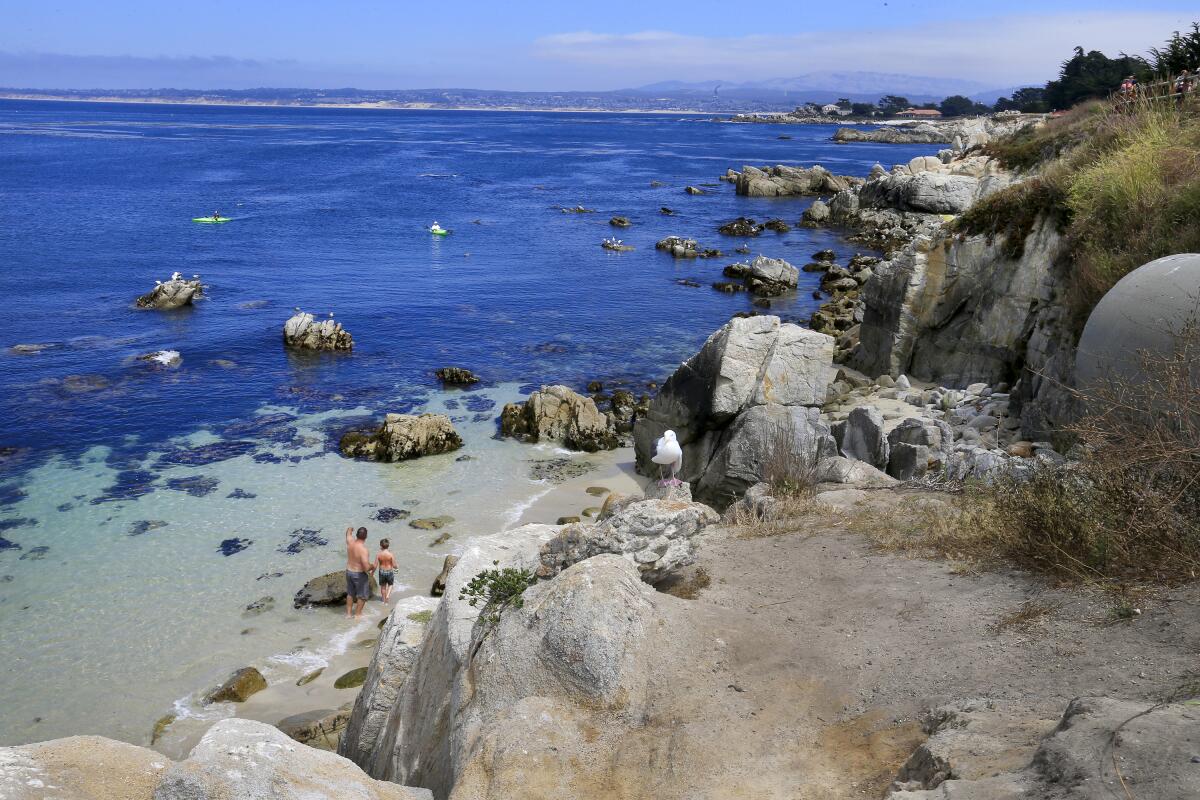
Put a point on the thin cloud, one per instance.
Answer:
(998, 51)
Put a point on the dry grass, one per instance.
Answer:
(782, 515)
(1028, 615)
(686, 586)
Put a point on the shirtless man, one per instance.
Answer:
(358, 569)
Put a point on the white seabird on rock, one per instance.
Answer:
(667, 451)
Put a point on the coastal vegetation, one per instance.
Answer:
(1122, 182)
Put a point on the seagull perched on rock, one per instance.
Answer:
(176, 276)
(668, 451)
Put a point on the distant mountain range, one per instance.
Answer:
(776, 94)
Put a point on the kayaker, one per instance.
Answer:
(435, 227)
(216, 216)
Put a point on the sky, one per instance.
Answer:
(554, 45)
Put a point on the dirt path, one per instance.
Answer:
(801, 671)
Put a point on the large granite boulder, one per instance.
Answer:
(781, 181)
(395, 653)
(84, 767)
(851, 472)
(753, 361)
(327, 590)
(253, 761)
(303, 332)
(658, 536)
(928, 192)
(532, 690)
(557, 414)
(402, 437)
(759, 438)
(175, 293)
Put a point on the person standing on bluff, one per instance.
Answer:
(358, 569)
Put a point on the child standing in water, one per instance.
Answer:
(386, 562)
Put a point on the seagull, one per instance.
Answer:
(175, 276)
(331, 315)
(158, 283)
(668, 451)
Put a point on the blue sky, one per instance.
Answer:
(564, 44)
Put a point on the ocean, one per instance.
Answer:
(143, 508)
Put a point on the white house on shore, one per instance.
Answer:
(920, 113)
(834, 110)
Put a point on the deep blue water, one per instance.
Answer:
(330, 209)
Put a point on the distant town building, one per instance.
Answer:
(920, 113)
(834, 110)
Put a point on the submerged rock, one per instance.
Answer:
(195, 485)
(162, 358)
(742, 226)
(557, 414)
(620, 222)
(229, 547)
(303, 332)
(303, 539)
(403, 437)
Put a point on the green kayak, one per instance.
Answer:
(210, 220)
(440, 232)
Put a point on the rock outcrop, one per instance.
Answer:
(680, 247)
(964, 133)
(959, 310)
(456, 376)
(302, 332)
(238, 687)
(174, 293)
(395, 653)
(236, 758)
(488, 703)
(783, 181)
(327, 590)
(1100, 743)
(657, 536)
(778, 371)
(765, 277)
(402, 437)
(557, 414)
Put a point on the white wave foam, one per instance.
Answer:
(512, 515)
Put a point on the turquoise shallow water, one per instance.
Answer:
(128, 545)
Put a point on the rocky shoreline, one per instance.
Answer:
(944, 360)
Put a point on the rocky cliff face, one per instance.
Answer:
(956, 310)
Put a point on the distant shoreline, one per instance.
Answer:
(374, 106)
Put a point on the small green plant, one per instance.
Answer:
(498, 590)
(422, 617)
